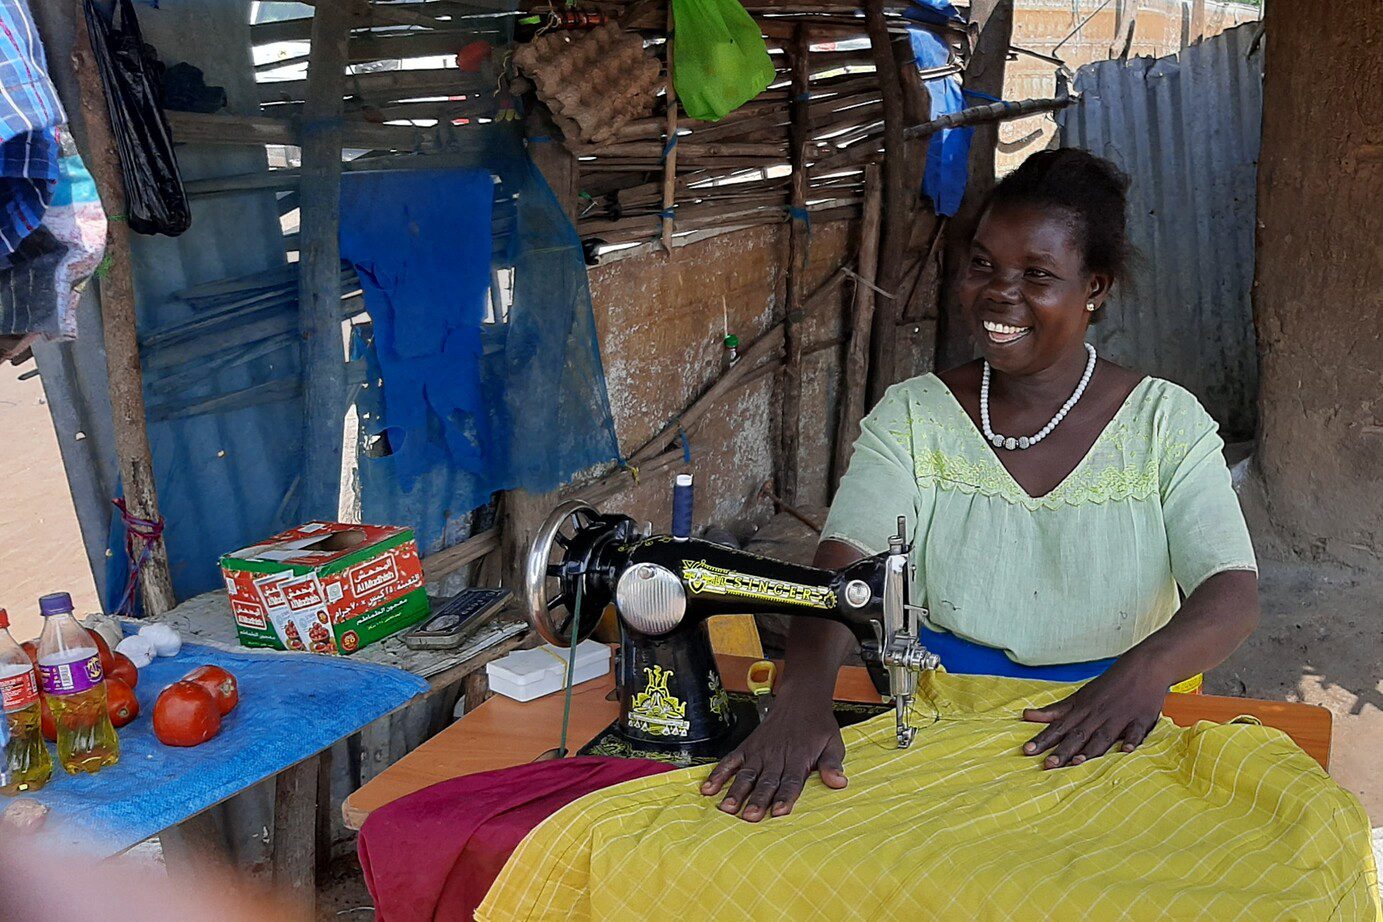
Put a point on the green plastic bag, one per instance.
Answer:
(720, 61)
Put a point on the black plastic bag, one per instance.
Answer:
(133, 78)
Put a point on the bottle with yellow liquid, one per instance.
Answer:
(69, 667)
(24, 761)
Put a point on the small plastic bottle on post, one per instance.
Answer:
(69, 668)
(24, 761)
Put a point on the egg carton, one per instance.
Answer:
(598, 80)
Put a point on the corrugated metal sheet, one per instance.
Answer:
(1186, 130)
(188, 453)
(1081, 32)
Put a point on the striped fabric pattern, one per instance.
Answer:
(29, 114)
(1223, 822)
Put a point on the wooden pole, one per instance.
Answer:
(896, 209)
(126, 377)
(985, 73)
(1197, 21)
(799, 243)
(862, 322)
(319, 266)
(669, 142)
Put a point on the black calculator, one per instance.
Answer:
(448, 626)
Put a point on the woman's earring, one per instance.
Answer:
(1090, 306)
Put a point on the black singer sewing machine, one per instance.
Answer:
(664, 587)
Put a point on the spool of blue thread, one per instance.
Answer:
(682, 507)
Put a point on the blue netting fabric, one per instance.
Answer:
(469, 407)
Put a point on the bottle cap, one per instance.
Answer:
(59, 603)
(4, 619)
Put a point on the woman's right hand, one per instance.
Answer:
(772, 765)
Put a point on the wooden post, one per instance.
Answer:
(126, 377)
(1197, 21)
(985, 73)
(295, 837)
(669, 142)
(862, 321)
(799, 241)
(883, 339)
(319, 267)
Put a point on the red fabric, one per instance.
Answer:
(432, 856)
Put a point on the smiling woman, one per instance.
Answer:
(1062, 506)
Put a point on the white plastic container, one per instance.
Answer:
(527, 674)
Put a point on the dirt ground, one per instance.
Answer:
(1321, 642)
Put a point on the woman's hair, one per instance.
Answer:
(1091, 189)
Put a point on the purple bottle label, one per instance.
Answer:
(72, 678)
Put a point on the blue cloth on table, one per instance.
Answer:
(292, 706)
(965, 657)
(29, 113)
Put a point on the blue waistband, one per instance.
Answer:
(969, 658)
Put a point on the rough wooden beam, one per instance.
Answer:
(896, 205)
(295, 837)
(387, 85)
(319, 266)
(852, 403)
(799, 231)
(670, 142)
(124, 373)
(984, 73)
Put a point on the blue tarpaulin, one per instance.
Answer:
(948, 152)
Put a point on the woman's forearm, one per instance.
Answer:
(1211, 625)
(817, 647)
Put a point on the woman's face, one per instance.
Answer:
(1025, 289)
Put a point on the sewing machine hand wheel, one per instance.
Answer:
(550, 575)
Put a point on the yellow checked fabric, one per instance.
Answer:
(1216, 822)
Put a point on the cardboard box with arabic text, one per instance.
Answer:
(326, 587)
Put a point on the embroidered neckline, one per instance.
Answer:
(1125, 479)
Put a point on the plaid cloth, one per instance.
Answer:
(1220, 822)
(29, 113)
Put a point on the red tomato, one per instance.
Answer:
(121, 703)
(107, 657)
(47, 725)
(124, 670)
(220, 683)
(186, 715)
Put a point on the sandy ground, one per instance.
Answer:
(40, 544)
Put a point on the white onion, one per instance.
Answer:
(139, 649)
(165, 638)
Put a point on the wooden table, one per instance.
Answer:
(502, 732)
(300, 823)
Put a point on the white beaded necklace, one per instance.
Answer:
(1029, 441)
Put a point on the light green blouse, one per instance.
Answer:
(1082, 573)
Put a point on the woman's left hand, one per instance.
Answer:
(1122, 704)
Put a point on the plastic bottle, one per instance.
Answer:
(69, 668)
(24, 761)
